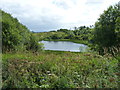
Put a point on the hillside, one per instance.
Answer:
(16, 36)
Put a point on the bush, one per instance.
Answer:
(17, 37)
(107, 31)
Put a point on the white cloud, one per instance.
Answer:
(46, 15)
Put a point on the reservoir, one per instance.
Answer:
(64, 46)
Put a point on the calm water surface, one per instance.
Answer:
(64, 46)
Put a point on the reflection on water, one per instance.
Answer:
(64, 46)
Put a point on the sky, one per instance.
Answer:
(48, 15)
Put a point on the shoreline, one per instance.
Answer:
(71, 40)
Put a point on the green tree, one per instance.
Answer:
(15, 36)
(106, 35)
(117, 29)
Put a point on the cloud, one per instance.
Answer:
(46, 15)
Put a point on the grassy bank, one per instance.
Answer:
(59, 69)
(70, 40)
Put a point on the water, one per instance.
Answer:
(64, 46)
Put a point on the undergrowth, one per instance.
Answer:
(51, 69)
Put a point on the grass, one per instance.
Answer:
(71, 40)
(59, 69)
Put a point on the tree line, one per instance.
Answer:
(79, 34)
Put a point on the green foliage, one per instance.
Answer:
(33, 44)
(117, 29)
(15, 36)
(50, 69)
(107, 31)
(80, 34)
(59, 69)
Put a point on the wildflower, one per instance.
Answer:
(75, 73)
(48, 72)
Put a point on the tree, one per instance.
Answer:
(106, 35)
(15, 36)
(117, 29)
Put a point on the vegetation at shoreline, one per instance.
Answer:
(69, 40)
(27, 65)
(80, 34)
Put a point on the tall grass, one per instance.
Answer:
(52, 69)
